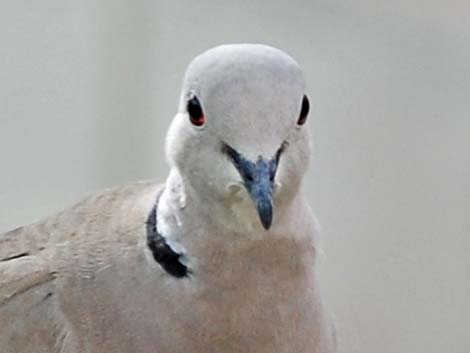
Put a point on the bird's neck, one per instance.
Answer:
(185, 215)
(212, 236)
(182, 205)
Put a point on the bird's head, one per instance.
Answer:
(240, 132)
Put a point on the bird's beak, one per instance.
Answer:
(260, 188)
(258, 178)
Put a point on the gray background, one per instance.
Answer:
(88, 88)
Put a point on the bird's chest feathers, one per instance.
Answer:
(255, 262)
(259, 293)
(251, 278)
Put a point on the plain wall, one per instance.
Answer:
(88, 88)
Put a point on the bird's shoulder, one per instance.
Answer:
(106, 213)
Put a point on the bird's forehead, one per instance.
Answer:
(235, 69)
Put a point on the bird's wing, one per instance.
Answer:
(26, 282)
(21, 264)
(33, 259)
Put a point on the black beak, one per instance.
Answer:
(258, 178)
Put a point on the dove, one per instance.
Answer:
(219, 258)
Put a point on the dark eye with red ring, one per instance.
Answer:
(196, 115)
(303, 111)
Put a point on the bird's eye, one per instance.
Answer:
(196, 115)
(303, 111)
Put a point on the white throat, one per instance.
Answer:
(181, 204)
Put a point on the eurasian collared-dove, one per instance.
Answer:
(219, 259)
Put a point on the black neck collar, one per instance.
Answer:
(163, 254)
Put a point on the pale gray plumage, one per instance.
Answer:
(85, 280)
